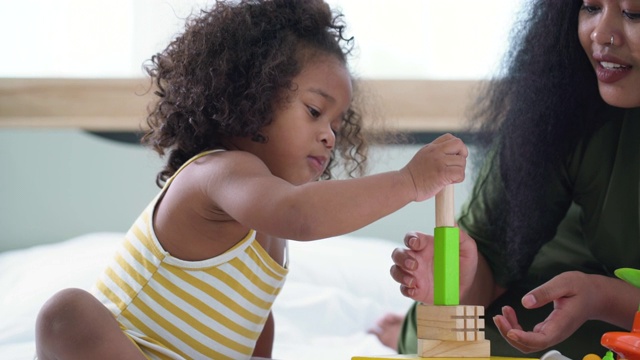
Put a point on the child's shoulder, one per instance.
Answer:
(224, 161)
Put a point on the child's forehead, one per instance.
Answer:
(326, 80)
(324, 62)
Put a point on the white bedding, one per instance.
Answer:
(336, 289)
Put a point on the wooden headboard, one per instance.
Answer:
(120, 104)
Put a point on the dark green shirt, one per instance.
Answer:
(593, 210)
(601, 232)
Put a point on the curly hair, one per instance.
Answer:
(536, 109)
(232, 66)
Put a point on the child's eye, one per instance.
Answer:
(314, 113)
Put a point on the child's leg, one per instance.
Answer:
(75, 325)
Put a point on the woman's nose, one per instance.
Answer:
(606, 31)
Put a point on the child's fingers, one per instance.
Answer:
(443, 138)
(455, 146)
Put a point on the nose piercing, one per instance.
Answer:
(611, 41)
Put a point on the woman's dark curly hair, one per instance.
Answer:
(232, 66)
(544, 100)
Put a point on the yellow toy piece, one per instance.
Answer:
(591, 357)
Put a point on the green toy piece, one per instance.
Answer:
(608, 356)
(446, 251)
(630, 275)
(446, 266)
(626, 345)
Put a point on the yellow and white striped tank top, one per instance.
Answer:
(175, 309)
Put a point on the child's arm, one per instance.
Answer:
(264, 345)
(242, 186)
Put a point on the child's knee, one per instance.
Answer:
(63, 314)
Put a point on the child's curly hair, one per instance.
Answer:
(225, 75)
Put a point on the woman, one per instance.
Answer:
(554, 210)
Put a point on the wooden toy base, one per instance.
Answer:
(458, 349)
(416, 357)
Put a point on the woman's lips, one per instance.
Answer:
(610, 68)
(608, 72)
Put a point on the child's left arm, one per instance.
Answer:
(245, 189)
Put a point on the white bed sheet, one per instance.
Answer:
(336, 289)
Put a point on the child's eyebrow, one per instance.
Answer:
(322, 93)
(325, 95)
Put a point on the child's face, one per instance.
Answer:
(301, 137)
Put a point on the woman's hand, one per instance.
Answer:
(413, 265)
(576, 297)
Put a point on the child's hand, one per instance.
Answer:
(436, 165)
(573, 297)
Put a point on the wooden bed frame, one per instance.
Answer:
(119, 105)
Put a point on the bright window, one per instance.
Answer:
(398, 39)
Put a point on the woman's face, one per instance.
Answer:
(609, 32)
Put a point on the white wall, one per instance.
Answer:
(57, 184)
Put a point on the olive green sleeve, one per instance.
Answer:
(486, 195)
(486, 201)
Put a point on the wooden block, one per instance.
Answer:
(451, 323)
(446, 348)
(434, 333)
(373, 357)
(440, 312)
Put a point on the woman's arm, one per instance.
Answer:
(576, 297)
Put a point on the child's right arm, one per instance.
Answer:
(242, 186)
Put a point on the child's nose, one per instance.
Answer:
(328, 137)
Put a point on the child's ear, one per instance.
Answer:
(259, 138)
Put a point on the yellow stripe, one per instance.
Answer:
(217, 294)
(133, 341)
(143, 328)
(257, 281)
(266, 261)
(260, 257)
(177, 332)
(209, 311)
(135, 274)
(115, 299)
(147, 236)
(155, 353)
(145, 241)
(126, 288)
(150, 266)
(240, 287)
(200, 327)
